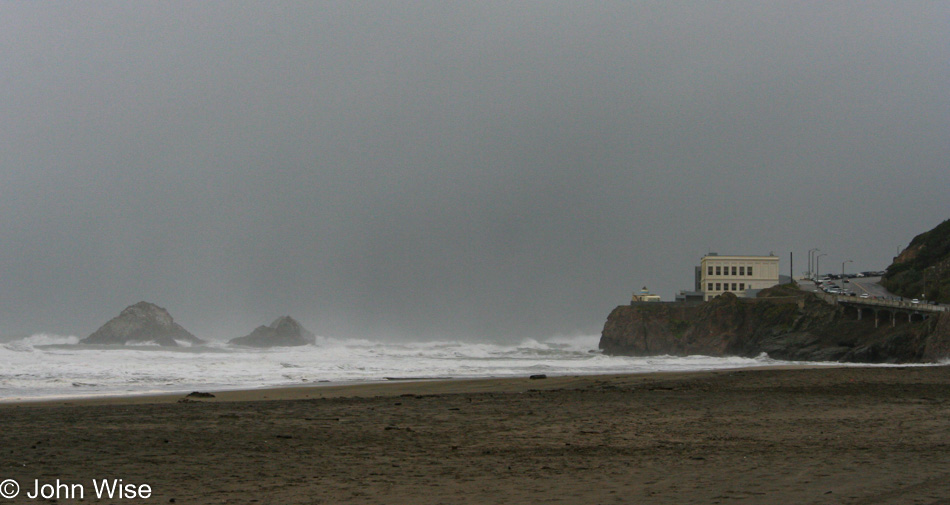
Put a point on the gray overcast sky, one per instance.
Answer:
(435, 169)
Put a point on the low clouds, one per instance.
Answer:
(443, 170)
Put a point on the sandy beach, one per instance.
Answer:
(820, 435)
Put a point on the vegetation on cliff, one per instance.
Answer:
(922, 270)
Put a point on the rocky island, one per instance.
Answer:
(283, 332)
(787, 323)
(142, 323)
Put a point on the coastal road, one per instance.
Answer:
(869, 285)
(859, 285)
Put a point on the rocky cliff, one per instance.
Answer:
(784, 323)
(140, 324)
(922, 270)
(284, 331)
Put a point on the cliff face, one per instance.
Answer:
(797, 328)
(922, 270)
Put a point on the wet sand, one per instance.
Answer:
(796, 436)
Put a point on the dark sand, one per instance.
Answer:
(796, 436)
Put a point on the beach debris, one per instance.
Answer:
(199, 394)
(392, 427)
(193, 396)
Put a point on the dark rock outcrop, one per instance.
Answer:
(142, 323)
(922, 270)
(284, 331)
(793, 325)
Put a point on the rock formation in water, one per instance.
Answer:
(284, 331)
(142, 323)
(785, 323)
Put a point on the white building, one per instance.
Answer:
(644, 296)
(740, 275)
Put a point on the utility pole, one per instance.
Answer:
(791, 267)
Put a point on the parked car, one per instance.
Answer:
(915, 301)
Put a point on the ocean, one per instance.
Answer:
(53, 367)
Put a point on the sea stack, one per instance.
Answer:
(142, 323)
(283, 332)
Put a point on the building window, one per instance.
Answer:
(718, 286)
(733, 270)
(718, 270)
(733, 286)
(749, 270)
(741, 270)
(741, 286)
(710, 287)
(709, 270)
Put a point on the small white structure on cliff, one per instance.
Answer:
(740, 275)
(644, 296)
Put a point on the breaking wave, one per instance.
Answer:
(51, 366)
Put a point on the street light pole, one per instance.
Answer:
(818, 264)
(811, 273)
(842, 270)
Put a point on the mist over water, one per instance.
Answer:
(450, 170)
(50, 366)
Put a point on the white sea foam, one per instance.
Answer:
(49, 366)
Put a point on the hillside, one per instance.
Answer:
(922, 270)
